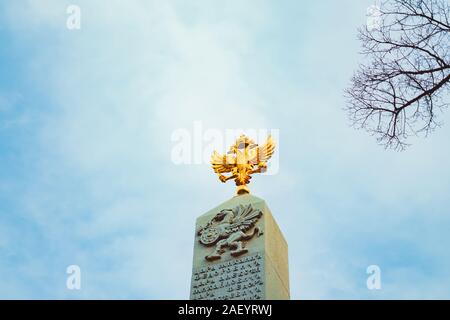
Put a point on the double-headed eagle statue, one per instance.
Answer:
(244, 159)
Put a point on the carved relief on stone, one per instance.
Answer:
(228, 228)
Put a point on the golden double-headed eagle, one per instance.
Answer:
(243, 159)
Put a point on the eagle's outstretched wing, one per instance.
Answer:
(221, 163)
(245, 217)
(262, 153)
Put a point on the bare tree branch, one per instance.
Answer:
(397, 92)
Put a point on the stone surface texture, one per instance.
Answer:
(256, 271)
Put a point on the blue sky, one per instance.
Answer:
(86, 175)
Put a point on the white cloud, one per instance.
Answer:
(106, 195)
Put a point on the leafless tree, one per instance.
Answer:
(403, 82)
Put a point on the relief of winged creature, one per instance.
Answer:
(227, 229)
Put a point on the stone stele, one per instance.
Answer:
(239, 253)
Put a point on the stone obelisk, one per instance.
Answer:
(239, 250)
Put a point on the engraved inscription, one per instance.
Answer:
(235, 279)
